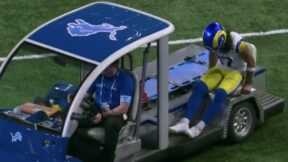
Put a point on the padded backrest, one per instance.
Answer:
(174, 58)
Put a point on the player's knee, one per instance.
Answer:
(220, 95)
(200, 87)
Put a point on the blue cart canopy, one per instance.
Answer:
(99, 30)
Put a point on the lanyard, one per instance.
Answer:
(111, 89)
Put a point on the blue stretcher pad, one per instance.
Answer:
(186, 72)
(151, 88)
(203, 57)
(179, 75)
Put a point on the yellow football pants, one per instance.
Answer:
(222, 78)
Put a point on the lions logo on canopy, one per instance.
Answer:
(83, 29)
(16, 137)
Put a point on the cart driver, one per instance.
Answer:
(112, 92)
(237, 65)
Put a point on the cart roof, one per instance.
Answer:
(99, 30)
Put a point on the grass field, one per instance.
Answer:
(269, 143)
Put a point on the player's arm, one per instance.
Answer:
(248, 54)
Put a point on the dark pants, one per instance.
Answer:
(112, 126)
(88, 149)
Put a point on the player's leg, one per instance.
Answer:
(230, 81)
(208, 82)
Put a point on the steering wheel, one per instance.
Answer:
(89, 110)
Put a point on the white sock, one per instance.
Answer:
(185, 120)
(201, 125)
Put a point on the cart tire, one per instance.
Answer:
(242, 122)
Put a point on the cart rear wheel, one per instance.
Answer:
(242, 122)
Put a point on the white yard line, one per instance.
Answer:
(175, 42)
(252, 34)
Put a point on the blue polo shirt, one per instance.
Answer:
(113, 91)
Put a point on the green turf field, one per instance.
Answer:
(269, 143)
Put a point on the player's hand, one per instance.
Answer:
(246, 89)
(97, 118)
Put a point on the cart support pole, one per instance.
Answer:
(162, 91)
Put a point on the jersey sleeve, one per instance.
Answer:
(126, 91)
(241, 46)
